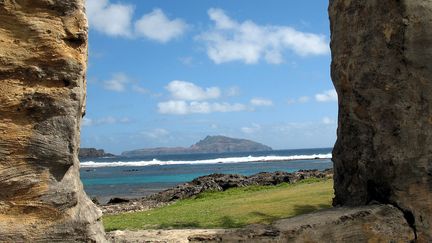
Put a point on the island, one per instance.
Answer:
(210, 144)
(85, 153)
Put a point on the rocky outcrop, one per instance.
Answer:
(222, 182)
(86, 153)
(213, 182)
(382, 55)
(43, 54)
(376, 223)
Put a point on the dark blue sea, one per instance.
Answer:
(105, 178)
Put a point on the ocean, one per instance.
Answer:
(104, 178)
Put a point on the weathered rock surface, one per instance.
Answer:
(376, 223)
(43, 54)
(382, 55)
(171, 236)
(222, 182)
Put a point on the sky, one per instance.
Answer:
(168, 73)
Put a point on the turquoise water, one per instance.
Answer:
(135, 181)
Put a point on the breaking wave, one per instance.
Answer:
(93, 164)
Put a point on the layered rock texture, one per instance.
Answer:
(382, 55)
(43, 54)
(375, 223)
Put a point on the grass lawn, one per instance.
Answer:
(233, 208)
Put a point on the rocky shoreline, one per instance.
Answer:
(213, 182)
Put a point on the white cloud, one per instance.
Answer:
(182, 90)
(156, 26)
(233, 91)
(156, 133)
(187, 61)
(115, 19)
(230, 40)
(261, 102)
(140, 89)
(328, 121)
(120, 82)
(117, 83)
(110, 19)
(301, 100)
(252, 129)
(181, 107)
(327, 96)
(109, 120)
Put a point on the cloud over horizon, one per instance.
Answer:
(261, 102)
(116, 19)
(327, 96)
(230, 40)
(183, 90)
(189, 98)
(109, 120)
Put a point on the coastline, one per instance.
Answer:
(213, 182)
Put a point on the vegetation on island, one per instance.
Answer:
(210, 144)
(232, 208)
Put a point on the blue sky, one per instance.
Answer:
(167, 73)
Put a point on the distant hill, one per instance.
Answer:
(210, 144)
(93, 153)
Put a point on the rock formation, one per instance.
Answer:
(382, 55)
(87, 153)
(375, 223)
(213, 182)
(43, 55)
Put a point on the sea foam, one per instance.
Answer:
(207, 161)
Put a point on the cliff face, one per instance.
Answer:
(382, 55)
(43, 54)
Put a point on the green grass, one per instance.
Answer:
(232, 208)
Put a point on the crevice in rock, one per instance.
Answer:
(409, 217)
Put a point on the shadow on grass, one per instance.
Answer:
(178, 225)
(228, 222)
(265, 218)
(303, 209)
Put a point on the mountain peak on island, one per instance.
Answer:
(210, 144)
(222, 144)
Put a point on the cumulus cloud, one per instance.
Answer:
(229, 40)
(327, 96)
(183, 90)
(117, 82)
(261, 102)
(116, 19)
(109, 120)
(251, 129)
(110, 19)
(158, 27)
(181, 107)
